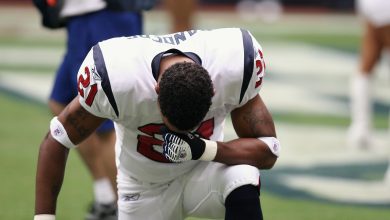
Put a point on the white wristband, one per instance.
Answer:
(44, 217)
(210, 150)
(58, 132)
(273, 144)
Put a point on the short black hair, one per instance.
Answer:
(185, 94)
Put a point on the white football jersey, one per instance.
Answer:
(118, 77)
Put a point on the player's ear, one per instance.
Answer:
(157, 88)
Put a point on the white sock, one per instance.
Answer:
(361, 106)
(103, 191)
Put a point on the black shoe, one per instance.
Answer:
(99, 211)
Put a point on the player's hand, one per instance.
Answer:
(179, 147)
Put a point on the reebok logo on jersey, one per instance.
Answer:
(95, 74)
(131, 197)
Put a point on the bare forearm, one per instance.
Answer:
(249, 151)
(49, 177)
(250, 122)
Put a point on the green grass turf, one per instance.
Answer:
(38, 69)
(281, 208)
(23, 125)
(15, 42)
(347, 43)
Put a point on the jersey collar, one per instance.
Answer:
(157, 60)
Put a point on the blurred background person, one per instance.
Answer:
(268, 11)
(181, 13)
(87, 22)
(375, 42)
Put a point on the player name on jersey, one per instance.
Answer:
(174, 39)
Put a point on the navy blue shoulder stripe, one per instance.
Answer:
(249, 56)
(102, 70)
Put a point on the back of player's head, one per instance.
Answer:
(185, 93)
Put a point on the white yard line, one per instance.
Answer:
(33, 86)
(30, 56)
(341, 189)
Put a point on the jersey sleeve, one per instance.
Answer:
(94, 88)
(254, 68)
